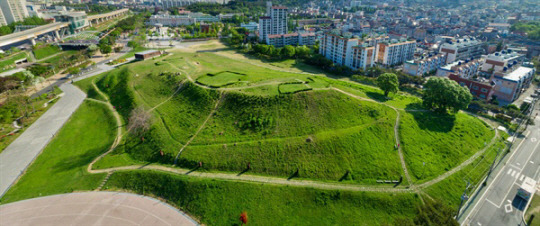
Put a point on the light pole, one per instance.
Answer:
(463, 197)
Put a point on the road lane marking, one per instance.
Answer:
(531, 162)
(494, 179)
(509, 171)
(518, 164)
(508, 208)
(492, 203)
(513, 173)
(509, 201)
(521, 178)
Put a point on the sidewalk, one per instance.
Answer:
(21, 153)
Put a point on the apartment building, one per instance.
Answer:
(274, 23)
(497, 61)
(395, 52)
(462, 49)
(463, 68)
(363, 57)
(512, 82)
(13, 10)
(280, 40)
(338, 47)
(2, 19)
(178, 3)
(422, 66)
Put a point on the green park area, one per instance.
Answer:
(7, 63)
(44, 50)
(237, 125)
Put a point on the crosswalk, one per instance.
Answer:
(514, 173)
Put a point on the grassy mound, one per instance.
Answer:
(289, 88)
(220, 79)
(441, 141)
(216, 202)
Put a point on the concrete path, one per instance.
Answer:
(92, 208)
(19, 154)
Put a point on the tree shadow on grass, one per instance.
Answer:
(377, 96)
(436, 122)
(415, 106)
(295, 174)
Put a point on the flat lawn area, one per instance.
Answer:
(8, 63)
(61, 167)
(216, 202)
(220, 79)
(60, 57)
(441, 141)
(45, 51)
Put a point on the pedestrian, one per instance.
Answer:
(200, 164)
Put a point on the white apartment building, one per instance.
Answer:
(395, 52)
(2, 19)
(356, 53)
(280, 40)
(496, 62)
(251, 26)
(338, 48)
(463, 68)
(419, 67)
(13, 10)
(462, 49)
(274, 23)
(363, 57)
(178, 3)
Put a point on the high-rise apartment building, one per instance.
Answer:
(2, 19)
(274, 23)
(395, 52)
(13, 10)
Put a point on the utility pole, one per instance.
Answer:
(463, 197)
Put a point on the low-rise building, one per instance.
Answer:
(422, 66)
(147, 54)
(178, 20)
(479, 87)
(511, 82)
(497, 61)
(251, 26)
(464, 69)
(462, 49)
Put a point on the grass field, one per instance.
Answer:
(220, 203)
(61, 167)
(8, 63)
(440, 141)
(220, 79)
(45, 51)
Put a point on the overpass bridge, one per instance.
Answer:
(58, 29)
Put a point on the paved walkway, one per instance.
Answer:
(92, 208)
(18, 155)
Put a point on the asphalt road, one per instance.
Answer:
(499, 203)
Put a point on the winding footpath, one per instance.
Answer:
(14, 160)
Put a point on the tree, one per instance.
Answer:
(388, 82)
(105, 49)
(244, 218)
(139, 121)
(443, 94)
(288, 51)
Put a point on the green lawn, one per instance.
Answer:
(220, 79)
(441, 141)
(43, 51)
(8, 63)
(293, 88)
(87, 87)
(61, 167)
(532, 215)
(451, 189)
(215, 202)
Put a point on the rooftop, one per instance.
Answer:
(147, 52)
(518, 74)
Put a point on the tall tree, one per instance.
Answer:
(442, 94)
(388, 82)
